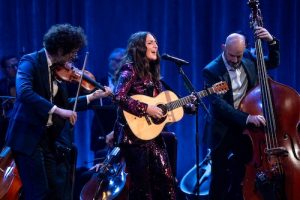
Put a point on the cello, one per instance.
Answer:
(10, 182)
(109, 181)
(274, 171)
(189, 185)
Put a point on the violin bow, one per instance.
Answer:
(73, 171)
(81, 77)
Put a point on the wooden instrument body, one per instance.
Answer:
(146, 127)
(10, 182)
(286, 104)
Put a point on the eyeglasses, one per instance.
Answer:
(74, 54)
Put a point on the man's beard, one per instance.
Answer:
(235, 65)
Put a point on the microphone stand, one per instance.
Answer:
(191, 89)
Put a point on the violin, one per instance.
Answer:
(69, 73)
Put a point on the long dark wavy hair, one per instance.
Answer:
(65, 37)
(136, 53)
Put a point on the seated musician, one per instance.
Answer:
(9, 65)
(105, 111)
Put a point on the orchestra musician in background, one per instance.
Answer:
(101, 123)
(223, 130)
(41, 110)
(9, 65)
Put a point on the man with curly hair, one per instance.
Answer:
(42, 110)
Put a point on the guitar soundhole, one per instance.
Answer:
(161, 120)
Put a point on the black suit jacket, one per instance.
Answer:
(30, 113)
(224, 117)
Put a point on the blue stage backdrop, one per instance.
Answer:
(190, 29)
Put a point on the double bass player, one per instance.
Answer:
(223, 131)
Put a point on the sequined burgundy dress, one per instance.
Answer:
(147, 162)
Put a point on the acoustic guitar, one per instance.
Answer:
(147, 128)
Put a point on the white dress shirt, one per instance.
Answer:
(239, 82)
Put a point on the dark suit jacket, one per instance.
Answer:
(224, 116)
(30, 113)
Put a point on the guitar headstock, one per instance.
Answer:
(220, 87)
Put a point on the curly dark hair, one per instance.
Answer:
(136, 53)
(65, 37)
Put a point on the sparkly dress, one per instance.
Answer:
(147, 162)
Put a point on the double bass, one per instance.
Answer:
(274, 171)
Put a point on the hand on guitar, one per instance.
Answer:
(154, 111)
(191, 108)
(256, 120)
(168, 110)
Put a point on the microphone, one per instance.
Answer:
(177, 61)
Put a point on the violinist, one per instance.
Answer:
(223, 130)
(42, 109)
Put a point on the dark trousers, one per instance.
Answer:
(46, 174)
(37, 173)
(228, 167)
(64, 179)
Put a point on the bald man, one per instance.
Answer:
(231, 150)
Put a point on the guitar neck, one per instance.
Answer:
(188, 99)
